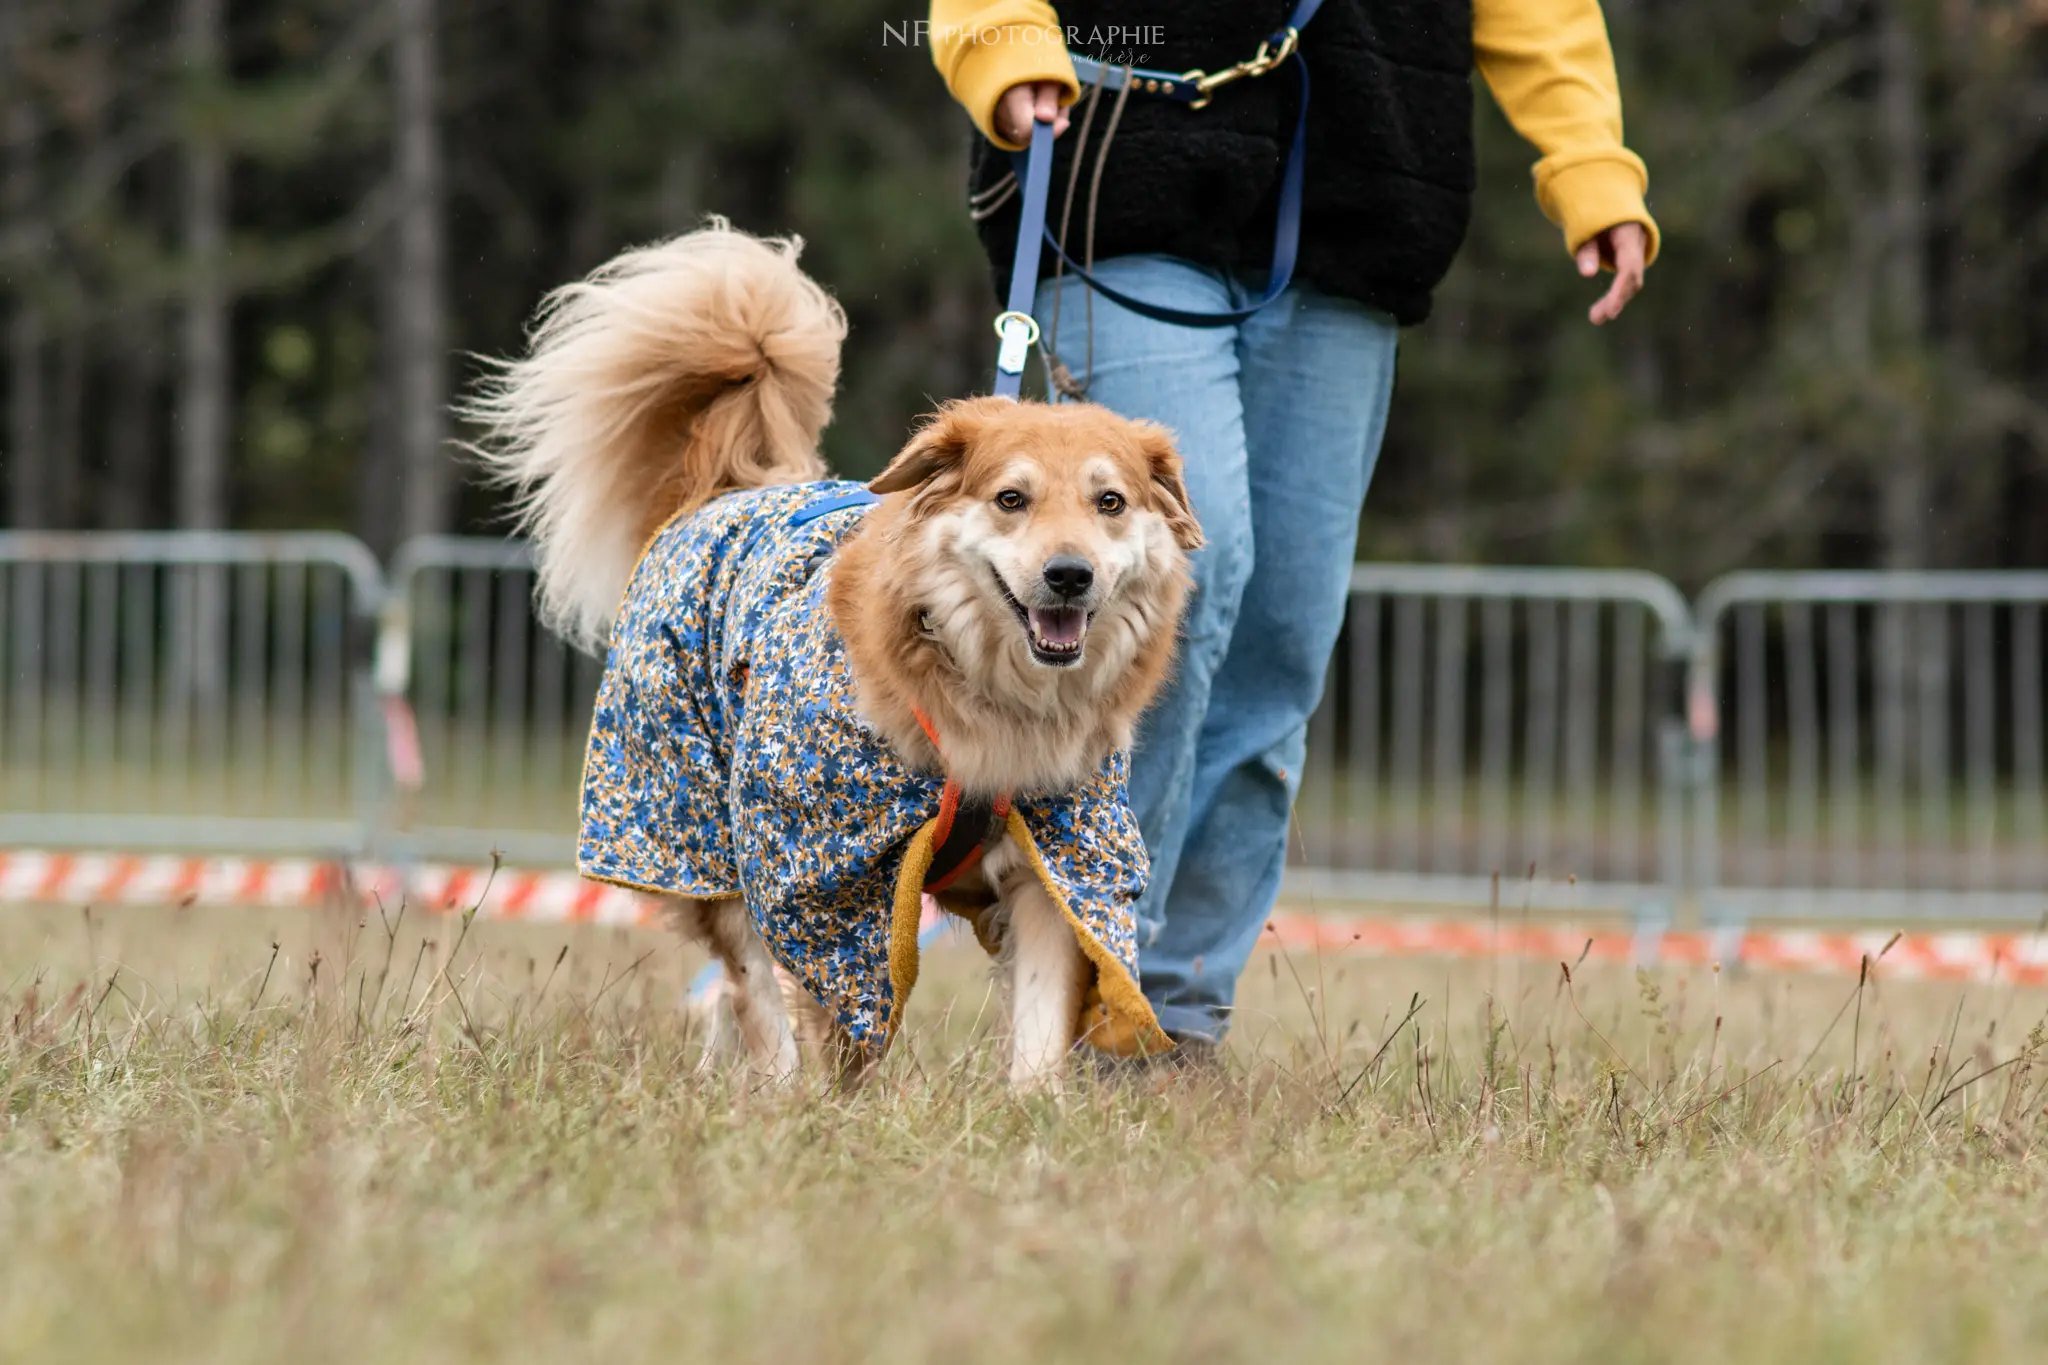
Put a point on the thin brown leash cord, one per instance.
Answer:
(1116, 114)
(988, 201)
(1057, 374)
(1061, 378)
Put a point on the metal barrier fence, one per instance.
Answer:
(187, 691)
(502, 706)
(1870, 746)
(1797, 745)
(1500, 732)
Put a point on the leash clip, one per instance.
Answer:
(1019, 332)
(1258, 64)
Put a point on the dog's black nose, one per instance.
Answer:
(1069, 575)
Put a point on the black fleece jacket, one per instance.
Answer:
(1389, 174)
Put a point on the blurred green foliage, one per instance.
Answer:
(1838, 359)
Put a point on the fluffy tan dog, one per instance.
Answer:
(1013, 598)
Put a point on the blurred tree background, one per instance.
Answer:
(248, 249)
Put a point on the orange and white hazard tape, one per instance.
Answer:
(114, 879)
(2020, 958)
(556, 897)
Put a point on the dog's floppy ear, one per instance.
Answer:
(1163, 459)
(939, 444)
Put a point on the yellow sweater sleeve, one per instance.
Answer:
(1548, 63)
(1551, 68)
(983, 47)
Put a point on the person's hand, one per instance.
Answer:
(1622, 246)
(1026, 102)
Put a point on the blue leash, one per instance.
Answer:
(1015, 325)
(1033, 167)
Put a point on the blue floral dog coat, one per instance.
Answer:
(726, 759)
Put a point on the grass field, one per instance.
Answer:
(212, 1151)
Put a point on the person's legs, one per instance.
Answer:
(1186, 379)
(1316, 374)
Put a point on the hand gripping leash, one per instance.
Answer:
(1033, 168)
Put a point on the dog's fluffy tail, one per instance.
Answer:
(672, 374)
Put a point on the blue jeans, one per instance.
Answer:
(1279, 422)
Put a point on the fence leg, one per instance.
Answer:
(1721, 920)
(1654, 914)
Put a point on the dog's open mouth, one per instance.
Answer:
(1055, 634)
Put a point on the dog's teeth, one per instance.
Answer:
(1058, 627)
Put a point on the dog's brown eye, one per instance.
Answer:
(1109, 504)
(1010, 500)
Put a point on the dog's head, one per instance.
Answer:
(1058, 534)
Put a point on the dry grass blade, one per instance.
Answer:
(207, 1172)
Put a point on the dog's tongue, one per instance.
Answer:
(1058, 625)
